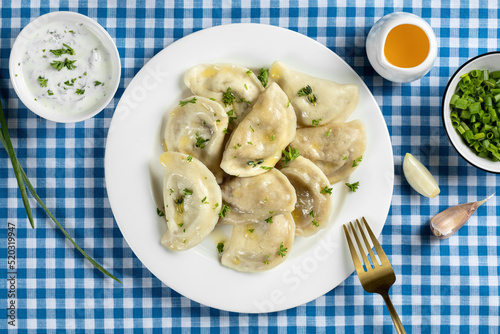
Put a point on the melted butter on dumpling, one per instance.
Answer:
(327, 101)
(313, 208)
(257, 142)
(192, 201)
(235, 87)
(261, 246)
(197, 127)
(336, 148)
(256, 198)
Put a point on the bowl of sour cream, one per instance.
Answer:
(64, 67)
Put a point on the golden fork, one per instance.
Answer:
(377, 278)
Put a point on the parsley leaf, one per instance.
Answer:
(282, 251)
(353, 186)
(326, 190)
(356, 161)
(160, 212)
(263, 76)
(220, 247)
(315, 122)
(183, 103)
(42, 81)
(291, 155)
(269, 220)
(225, 209)
(228, 97)
(200, 142)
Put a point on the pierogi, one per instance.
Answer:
(314, 206)
(235, 87)
(192, 201)
(337, 148)
(234, 132)
(197, 127)
(316, 101)
(261, 246)
(256, 198)
(256, 144)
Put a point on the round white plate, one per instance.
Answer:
(134, 175)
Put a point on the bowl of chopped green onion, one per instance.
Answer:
(471, 111)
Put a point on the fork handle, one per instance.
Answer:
(394, 315)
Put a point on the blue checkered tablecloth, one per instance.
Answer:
(442, 286)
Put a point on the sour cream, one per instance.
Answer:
(66, 67)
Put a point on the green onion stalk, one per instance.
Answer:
(23, 182)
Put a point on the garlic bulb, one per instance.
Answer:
(419, 177)
(447, 222)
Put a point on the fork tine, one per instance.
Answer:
(354, 255)
(367, 244)
(380, 252)
(360, 247)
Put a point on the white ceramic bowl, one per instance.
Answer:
(488, 61)
(20, 47)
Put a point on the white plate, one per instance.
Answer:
(134, 175)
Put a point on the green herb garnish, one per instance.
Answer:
(326, 190)
(220, 247)
(98, 83)
(42, 81)
(80, 91)
(291, 155)
(228, 97)
(187, 191)
(356, 161)
(160, 213)
(225, 209)
(200, 142)
(315, 122)
(282, 251)
(70, 83)
(59, 65)
(353, 186)
(50, 93)
(189, 158)
(61, 51)
(266, 167)
(269, 220)
(182, 103)
(307, 92)
(255, 163)
(263, 76)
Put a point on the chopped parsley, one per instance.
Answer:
(231, 116)
(308, 93)
(70, 82)
(251, 128)
(179, 205)
(225, 209)
(263, 76)
(353, 186)
(315, 122)
(200, 142)
(204, 200)
(79, 91)
(315, 223)
(269, 220)
(98, 83)
(187, 191)
(356, 161)
(61, 51)
(344, 157)
(50, 93)
(183, 103)
(228, 97)
(220, 247)
(160, 213)
(326, 190)
(266, 167)
(59, 65)
(266, 261)
(328, 133)
(42, 81)
(272, 137)
(291, 155)
(311, 213)
(251, 230)
(255, 163)
(282, 251)
(190, 158)
(249, 72)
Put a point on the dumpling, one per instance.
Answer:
(256, 144)
(235, 87)
(337, 148)
(256, 198)
(192, 201)
(316, 101)
(197, 127)
(313, 207)
(261, 246)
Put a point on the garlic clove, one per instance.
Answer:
(419, 177)
(449, 221)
